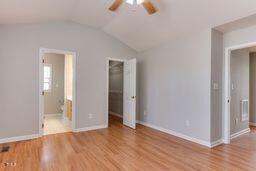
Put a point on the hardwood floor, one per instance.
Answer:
(253, 129)
(121, 148)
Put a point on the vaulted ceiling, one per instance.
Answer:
(131, 24)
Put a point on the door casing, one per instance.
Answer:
(107, 86)
(42, 51)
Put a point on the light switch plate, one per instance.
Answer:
(215, 86)
(90, 116)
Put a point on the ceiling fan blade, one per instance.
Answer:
(149, 7)
(116, 5)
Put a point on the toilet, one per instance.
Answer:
(62, 108)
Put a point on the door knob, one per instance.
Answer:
(133, 97)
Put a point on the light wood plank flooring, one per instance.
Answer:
(121, 148)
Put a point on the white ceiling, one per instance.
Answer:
(238, 24)
(131, 24)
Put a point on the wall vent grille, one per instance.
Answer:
(244, 110)
(5, 149)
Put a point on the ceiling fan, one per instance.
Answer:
(146, 3)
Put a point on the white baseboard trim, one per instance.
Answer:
(116, 114)
(216, 143)
(252, 124)
(91, 128)
(52, 115)
(177, 134)
(20, 138)
(235, 135)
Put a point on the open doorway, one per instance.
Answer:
(115, 94)
(121, 92)
(57, 84)
(242, 89)
(252, 89)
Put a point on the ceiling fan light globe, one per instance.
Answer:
(130, 2)
(140, 1)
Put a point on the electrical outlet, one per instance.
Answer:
(187, 123)
(236, 120)
(232, 86)
(145, 113)
(90, 116)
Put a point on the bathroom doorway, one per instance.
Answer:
(56, 100)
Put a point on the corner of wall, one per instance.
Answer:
(216, 85)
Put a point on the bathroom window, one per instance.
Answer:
(47, 77)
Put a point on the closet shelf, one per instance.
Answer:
(116, 91)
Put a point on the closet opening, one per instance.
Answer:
(115, 94)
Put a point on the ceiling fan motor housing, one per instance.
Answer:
(146, 4)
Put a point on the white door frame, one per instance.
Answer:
(42, 51)
(107, 85)
(226, 94)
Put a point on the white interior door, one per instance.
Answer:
(129, 113)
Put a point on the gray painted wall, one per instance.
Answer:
(238, 37)
(253, 87)
(174, 83)
(239, 69)
(216, 80)
(161, 90)
(116, 87)
(55, 98)
(241, 36)
(19, 50)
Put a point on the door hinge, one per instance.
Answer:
(42, 93)
(42, 125)
(43, 61)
